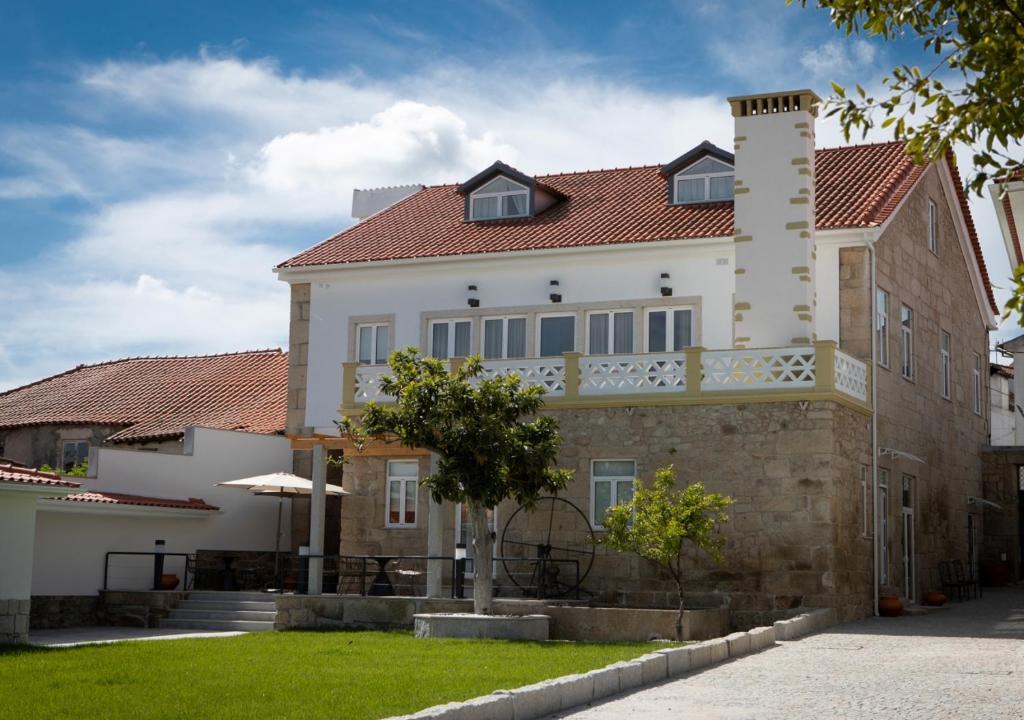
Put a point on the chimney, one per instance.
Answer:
(367, 202)
(774, 219)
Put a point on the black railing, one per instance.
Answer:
(157, 568)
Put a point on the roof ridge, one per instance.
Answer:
(855, 146)
(133, 358)
(11, 467)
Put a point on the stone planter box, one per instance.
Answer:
(495, 627)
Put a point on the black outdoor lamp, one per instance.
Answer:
(556, 293)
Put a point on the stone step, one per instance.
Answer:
(214, 595)
(180, 613)
(241, 605)
(243, 625)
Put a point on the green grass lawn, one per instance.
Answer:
(280, 675)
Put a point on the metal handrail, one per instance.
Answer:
(155, 556)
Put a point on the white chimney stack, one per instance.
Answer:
(774, 219)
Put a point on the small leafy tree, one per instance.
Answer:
(659, 521)
(490, 443)
(79, 470)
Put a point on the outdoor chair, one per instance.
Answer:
(970, 582)
(950, 583)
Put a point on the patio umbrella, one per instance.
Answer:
(279, 485)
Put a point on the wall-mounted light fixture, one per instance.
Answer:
(666, 289)
(472, 296)
(556, 293)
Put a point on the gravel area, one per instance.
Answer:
(963, 662)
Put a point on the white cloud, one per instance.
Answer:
(839, 59)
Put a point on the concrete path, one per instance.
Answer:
(70, 637)
(965, 662)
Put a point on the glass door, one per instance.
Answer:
(908, 538)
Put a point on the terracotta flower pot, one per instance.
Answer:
(889, 606)
(168, 581)
(935, 598)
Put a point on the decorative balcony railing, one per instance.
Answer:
(811, 371)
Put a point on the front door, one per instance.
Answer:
(908, 538)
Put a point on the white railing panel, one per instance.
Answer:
(368, 383)
(625, 374)
(851, 376)
(549, 373)
(755, 369)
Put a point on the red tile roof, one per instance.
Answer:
(106, 498)
(158, 397)
(1011, 222)
(1004, 370)
(28, 476)
(972, 233)
(857, 186)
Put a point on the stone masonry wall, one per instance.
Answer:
(1003, 529)
(791, 467)
(14, 619)
(913, 416)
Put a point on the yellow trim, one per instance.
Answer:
(800, 161)
(801, 126)
(743, 238)
(802, 225)
(741, 190)
(740, 138)
(801, 308)
(800, 270)
(348, 383)
(572, 374)
(739, 271)
(800, 201)
(741, 306)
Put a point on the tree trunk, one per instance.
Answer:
(679, 615)
(483, 576)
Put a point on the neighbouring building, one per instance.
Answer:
(1003, 404)
(803, 329)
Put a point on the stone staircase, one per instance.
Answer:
(209, 610)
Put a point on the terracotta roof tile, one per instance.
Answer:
(29, 476)
(106, 498)
(158, 397)
(1011, 222)
(972, 233)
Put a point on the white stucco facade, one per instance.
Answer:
(71, 538)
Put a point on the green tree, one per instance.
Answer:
(972, 94)
(661, 523)
(490, 443)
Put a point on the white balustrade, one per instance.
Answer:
(549, 373)
(368, 383)
(851, 376)
(758, 369)
(619, 374)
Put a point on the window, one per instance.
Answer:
(504, 338)
(907, 342)
(403, 483)
(882, 327)
(883, 525)
(933, 232)
(865, 499)
(944, 380)
(611, 483)
(75, 453)
(500, 198)
(706, 180)
(449, 338)
(669, 329)
(977, 384)
(373, 343)
(610, 332)
(557, 334)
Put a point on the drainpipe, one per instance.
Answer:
(869, 244)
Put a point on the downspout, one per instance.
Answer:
(869, 244)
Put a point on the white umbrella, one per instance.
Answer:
(280, 485)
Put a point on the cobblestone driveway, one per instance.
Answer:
(965, 662)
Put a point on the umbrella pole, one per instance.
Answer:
(277, 545)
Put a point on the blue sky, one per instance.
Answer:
(157, 159)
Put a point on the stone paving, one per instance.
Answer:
(964, 662)
(70, 637)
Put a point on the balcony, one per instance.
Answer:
(692, 376)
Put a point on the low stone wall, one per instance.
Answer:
(64, 611)
(137, 608)
(567, 622)
(14, 615)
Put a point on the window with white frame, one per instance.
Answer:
(504, 337)
(933, 230)
(450, 338)
(500, 198)
(611, 483)
(372, 343)
(882, 327)
(74, 452)
(977, 384)
(865, 499)
(403, 485)
(668, 329)
(944, 364)
(907, 342)
(707, 180)
(610, 332)
(556, 334)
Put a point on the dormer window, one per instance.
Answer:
(500, 198)
(707, 180)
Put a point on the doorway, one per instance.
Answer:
(908, 538)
